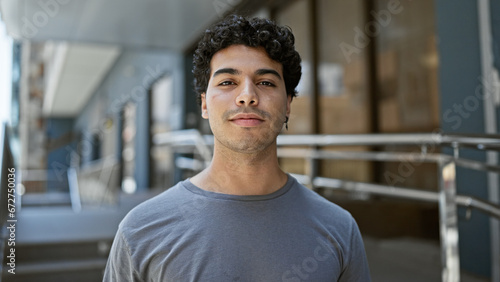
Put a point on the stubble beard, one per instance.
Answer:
(247, 142)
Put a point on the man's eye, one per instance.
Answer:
(267, 83)
(224, 83)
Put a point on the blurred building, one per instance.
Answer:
(99, 79)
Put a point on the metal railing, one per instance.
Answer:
(191, 141)
(49, 188)
(93, 185)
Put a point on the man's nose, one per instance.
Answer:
(248, 95)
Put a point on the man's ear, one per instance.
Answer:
(204, 110)
(288, 105)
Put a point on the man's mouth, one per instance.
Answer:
(247, 119)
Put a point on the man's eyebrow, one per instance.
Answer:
(268, 71)
(226, 70)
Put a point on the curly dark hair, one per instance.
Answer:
(278, 41)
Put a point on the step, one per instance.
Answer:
(59, 266)
(46, 199)
(67, 251)
(87, 270)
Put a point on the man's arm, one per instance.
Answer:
(120, 267)
(356, 268)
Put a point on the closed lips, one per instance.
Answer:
(246, 116)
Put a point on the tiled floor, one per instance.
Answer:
(408, 260)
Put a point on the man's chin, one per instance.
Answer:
(248, 145)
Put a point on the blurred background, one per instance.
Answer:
(96, 97)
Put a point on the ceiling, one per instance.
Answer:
(91, 33)
(76, 71)
(172, 24)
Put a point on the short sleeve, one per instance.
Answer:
(356, 268)
(119, 267)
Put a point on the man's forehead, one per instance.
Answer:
(237, 56)
(258, 72)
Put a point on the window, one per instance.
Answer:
(301, 120)
(161, 171)
(407, 63)
(301, 116)
(342, 84)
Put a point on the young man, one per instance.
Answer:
(242, 218)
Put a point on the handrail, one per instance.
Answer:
(406, 193)
(192, 138)
(384, 156)
(188, 137)
(446, 196)
(58, 179)
(476, 141)
(479, 142)
(74, 190)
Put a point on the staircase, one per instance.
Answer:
(55, 243)
(70, 261)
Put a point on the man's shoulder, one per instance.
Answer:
(320, 206)
(160, 205)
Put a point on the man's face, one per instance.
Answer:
(246, 102)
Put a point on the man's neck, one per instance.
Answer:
(242, 173)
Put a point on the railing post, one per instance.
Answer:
(448, 222)
(312, 168)
(74, 191)
(309, 170)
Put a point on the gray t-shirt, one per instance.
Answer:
(189, 234)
